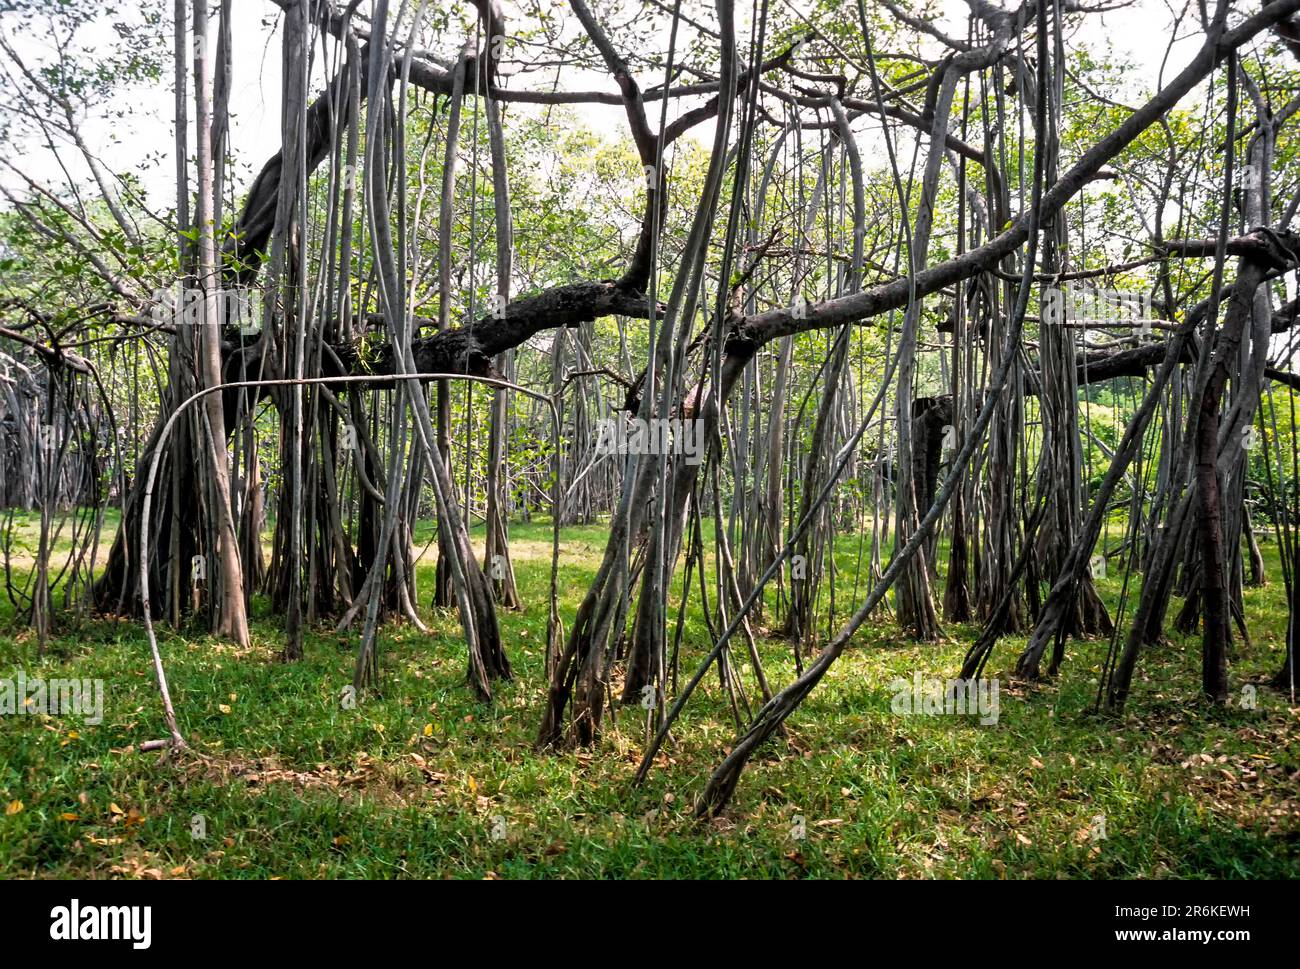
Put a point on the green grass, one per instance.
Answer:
(418, 781)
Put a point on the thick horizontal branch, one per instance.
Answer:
(1097, 367)
(1285, 377)
(470, 349)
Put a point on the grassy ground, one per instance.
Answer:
(285, 782)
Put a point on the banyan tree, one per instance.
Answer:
(828, 330)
